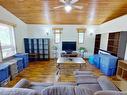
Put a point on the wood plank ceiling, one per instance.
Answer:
(40, 11)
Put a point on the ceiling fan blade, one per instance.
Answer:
(58, 7)
(78, 7)
(73, 1)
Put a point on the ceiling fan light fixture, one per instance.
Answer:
(68, 8)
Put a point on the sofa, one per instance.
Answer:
(85, 85)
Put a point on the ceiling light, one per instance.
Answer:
(68, 8)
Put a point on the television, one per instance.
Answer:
(69, 46)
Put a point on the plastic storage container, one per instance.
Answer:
(25, 58)
(13, 68)
(108, 71)
(91, 59)
(108, 64)
(4, 73)
(97, 60)
(20, 64)
(108, 61)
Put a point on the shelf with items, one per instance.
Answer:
(122, 70)
(117, 44)
(37, 48)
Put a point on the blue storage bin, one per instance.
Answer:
(20, 64)
(4, 72)
(91, 60)
(108, 64)
(25, 58)
(108, 61)
(97, 60)
(108, 71)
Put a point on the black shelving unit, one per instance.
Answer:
(37, 48)
(97, 43)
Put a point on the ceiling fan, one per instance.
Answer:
(68, 5)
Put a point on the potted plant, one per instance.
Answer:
(82, 50)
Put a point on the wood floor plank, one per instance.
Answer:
(45, 71)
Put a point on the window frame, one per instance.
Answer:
(13, 41)
(81, 30)
(55, 33)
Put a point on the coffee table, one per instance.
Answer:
(61, 61)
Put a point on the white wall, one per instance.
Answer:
(104, 41)
(115, 25)
(20, 29)
(69, 33)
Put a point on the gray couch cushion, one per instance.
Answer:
(39, 86)
(82, 72)
(106, 84)
(93, 87)
(108, 93)
(86, 80)
(66, 90)
(65, 84)
(17, 91)
(23, 83)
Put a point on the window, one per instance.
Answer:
(7, 40)
(57, 35)
(80, 36)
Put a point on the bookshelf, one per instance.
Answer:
(117, 44)
(37, 48)
(113, 43)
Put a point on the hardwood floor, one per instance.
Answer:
(45, 71)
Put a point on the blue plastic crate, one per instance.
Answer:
(25, 58)
(97, 60)
(91, 59)
(109, 71)
(108, 61)
(4, 72)
(20, 64)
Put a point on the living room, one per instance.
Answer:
(47, 21)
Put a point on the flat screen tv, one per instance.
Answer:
(69, 46)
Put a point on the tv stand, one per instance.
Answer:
(72, 54)
(68, 52)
